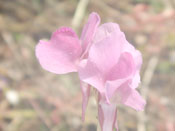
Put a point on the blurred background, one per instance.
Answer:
(32, 99)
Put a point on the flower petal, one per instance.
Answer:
(126, 95)
(119, 74)
(136, 80)
(89, 73)
(134, 99)
(137, 57)
(105, 30)
(135, 53)
(89, 31)
(60, 54)
(123, 69)
(103, 55)
(107, 114)
(85, 88)
(111, 89)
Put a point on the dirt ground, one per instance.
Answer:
(32, 99)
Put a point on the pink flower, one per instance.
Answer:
(112, 67)
(104, 60)
(64, 51)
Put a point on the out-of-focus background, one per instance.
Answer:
(32, 99)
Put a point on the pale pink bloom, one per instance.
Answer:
(64, 51)
(104, 60)
(112, 67)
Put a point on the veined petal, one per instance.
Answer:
(89, 31)
(85, 88)
(107, 114)
(103, 55)
(60, 54)
(106, 53)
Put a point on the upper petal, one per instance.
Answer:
(89, 31)
(106, 53)
(105, 30)
(103, 55)
(60, 54)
